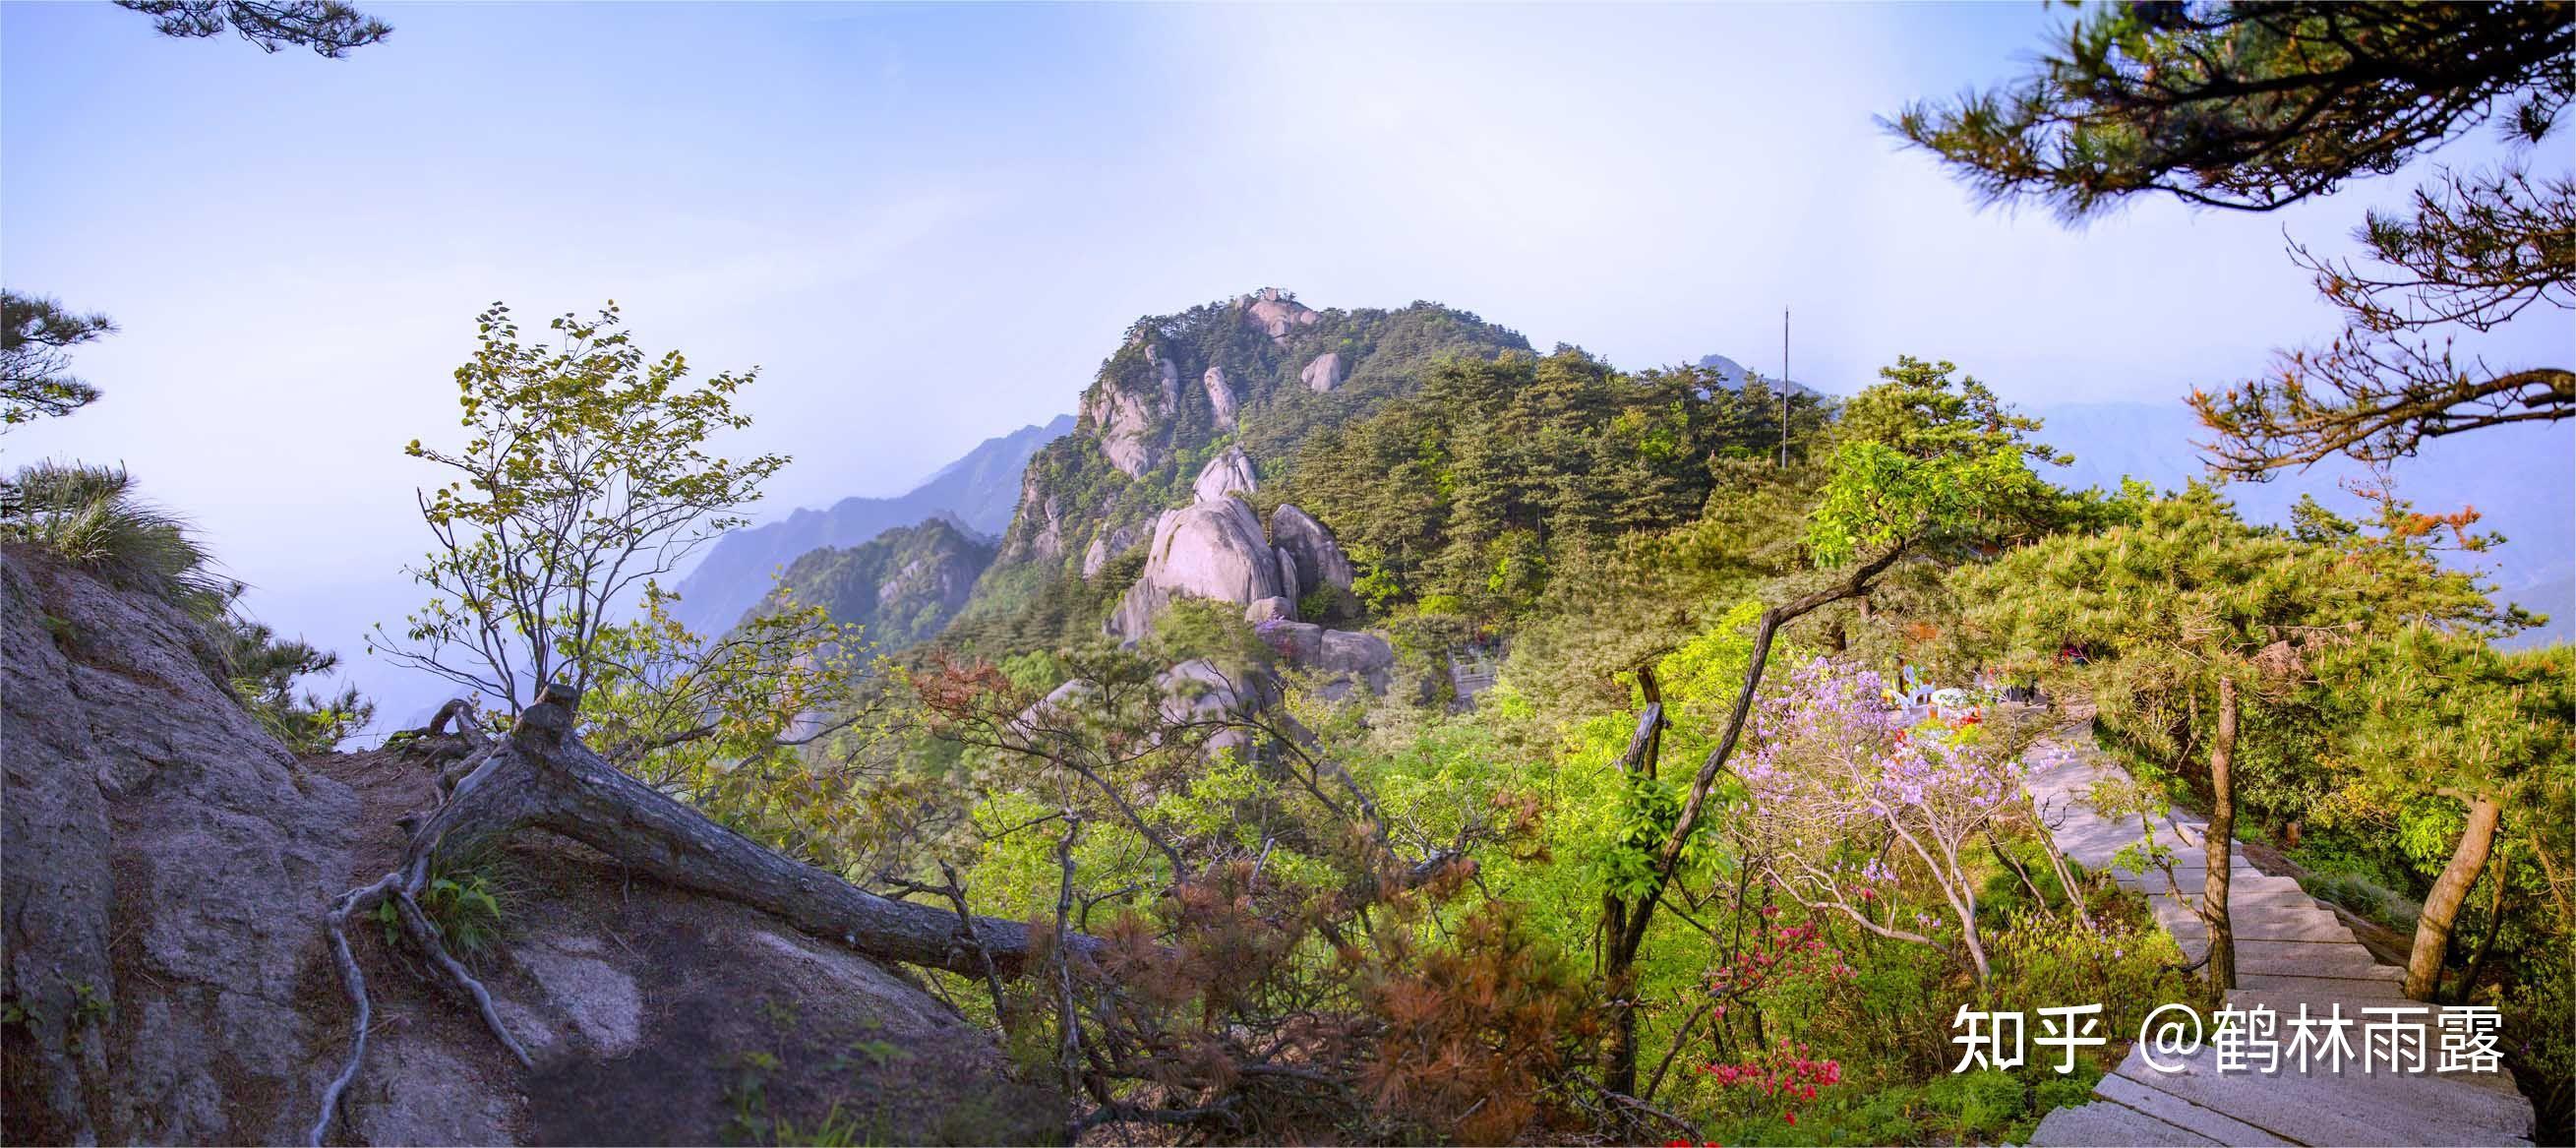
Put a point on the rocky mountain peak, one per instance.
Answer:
(1276, 313)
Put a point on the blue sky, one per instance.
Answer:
(928, 223)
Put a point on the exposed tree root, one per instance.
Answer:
(542, 777)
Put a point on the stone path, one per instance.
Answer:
(2289, 950)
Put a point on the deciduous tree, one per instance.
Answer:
(585, 475)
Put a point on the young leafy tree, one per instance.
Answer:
(36, 334)
(585, 476)
(2254, 107)
(328, 27)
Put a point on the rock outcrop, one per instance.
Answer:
(1105, 547)
(1325, 372)
(169, 869)
(1127, 418)
(1228, 473)
(1213, 548)
(1221, 400)
(1037, 531)
(1320, 560)
(1276, 313)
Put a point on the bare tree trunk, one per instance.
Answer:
(542, 777)
(1617, 1060)
(2442, 905)
(2219, 845)
(2497, 885)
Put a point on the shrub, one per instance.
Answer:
(264, 668)
(90, 516)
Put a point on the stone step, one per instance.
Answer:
(2326, 954)
(2103, 1124)
(2290, 951)
(2320, 1003)
(2242, 881)
(2238, 902)
(2294, 987)
(2174, 1110)
(2350, 962)
(2317, 926)
(2320, 1107)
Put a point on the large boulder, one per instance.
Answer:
(1340, 658)
(1197, 691)
(1320, 560)
(169, 868)
(1358, 655)
(1212, 549)
(1230, 472)
(1276, 313)
(1325, 372)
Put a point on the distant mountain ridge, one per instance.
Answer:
(976, 492)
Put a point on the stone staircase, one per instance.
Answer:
(1472, 671)
(2290, 950)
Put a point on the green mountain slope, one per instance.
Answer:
(903, 585)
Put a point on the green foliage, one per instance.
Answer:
(2190, 592)
(2243, 105)
(2255, 106)
(264, 669)
(1470, 492)
(35, 376)
(468, 898)
(1930, 462)
(2430, 709)
(725, 723)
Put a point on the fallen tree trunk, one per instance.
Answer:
(543, 777)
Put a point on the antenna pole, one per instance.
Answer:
(1784, 388)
